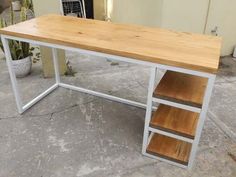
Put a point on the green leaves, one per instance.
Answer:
(3, 24)
(12, 15)
(28, 4)
(23, 15)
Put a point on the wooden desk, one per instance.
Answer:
(186, 50)
(173, 131)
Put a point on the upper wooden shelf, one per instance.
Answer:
(179, 49)
(181, 88)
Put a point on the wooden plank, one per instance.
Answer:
(175, 120)
(179, 49)
(181, 88)
(169, 148)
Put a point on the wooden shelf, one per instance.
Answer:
(169, 148)
(175, 120)
(181, 88)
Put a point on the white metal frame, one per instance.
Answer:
(149, 106)
(202, 111)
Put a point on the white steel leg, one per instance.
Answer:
(149, 108)
(15, 87)
(39, 97)
(202, 118)
(56, 66)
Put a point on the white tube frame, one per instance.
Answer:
(149, 106)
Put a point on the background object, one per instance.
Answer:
(74, 8)
(4, 4)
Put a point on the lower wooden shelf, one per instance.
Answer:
(169, 148)
(175, 120)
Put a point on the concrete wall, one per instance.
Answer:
(223, 15)
(46, 6)
(141, 12)
(192, 16)
(182, 15)
(185, 15)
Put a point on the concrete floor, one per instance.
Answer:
(70, 134)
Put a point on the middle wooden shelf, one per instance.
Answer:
(174, 120)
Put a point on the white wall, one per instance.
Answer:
(143, 12)
(185, 15)
(42, 7)
(223, 15)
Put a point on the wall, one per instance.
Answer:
(223, 15)
(185, 15)
(141, 12)
(46, 6)
(191, 16)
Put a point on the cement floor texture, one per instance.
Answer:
(71, 134)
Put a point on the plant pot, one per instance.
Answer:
(22, 67)
(16, 5)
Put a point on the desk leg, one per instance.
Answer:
(202, 118)
(15, 87)
(22, 108)
(149, 108)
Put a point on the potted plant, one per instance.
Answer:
(21, 52)
(28, 5)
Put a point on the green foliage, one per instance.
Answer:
(2, 25)
(19, 50)
(28, 4)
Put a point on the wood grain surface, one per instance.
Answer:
(175, 120)
(169, 148)
(181, 88)
(180, 49)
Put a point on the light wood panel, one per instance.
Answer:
(181, 88)
(175, 120)
(169, 148)
(186, 50)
